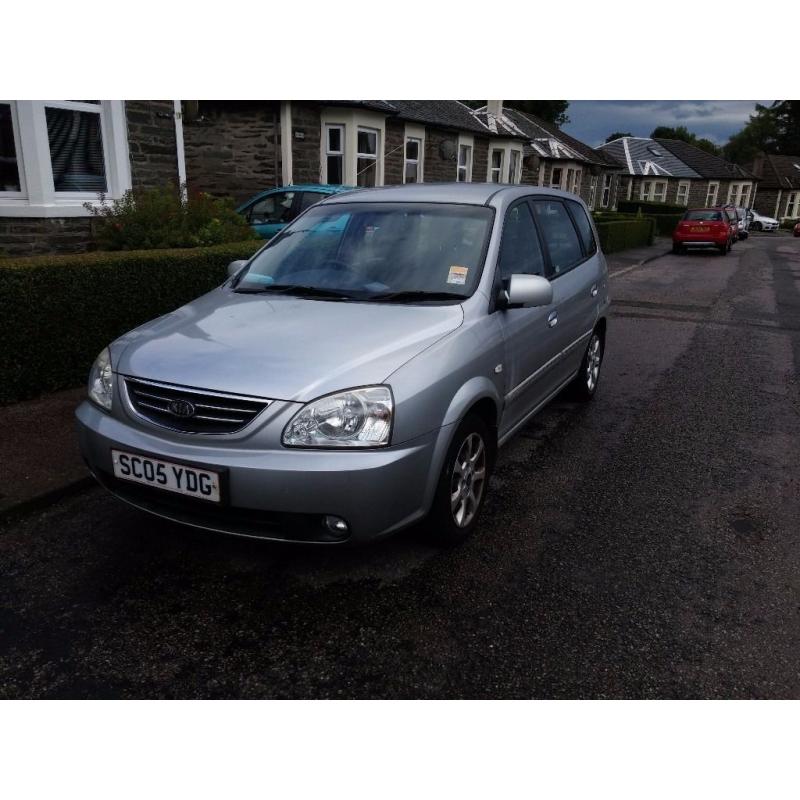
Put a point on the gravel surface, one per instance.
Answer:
(645, 545)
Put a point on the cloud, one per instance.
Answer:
(592, 120)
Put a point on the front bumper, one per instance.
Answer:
(282, 494)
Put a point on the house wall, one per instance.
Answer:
(393, 161)
(23, 236)
(766, 200)
(480, 159)
(152, 143)
(233, 149)
(306, 151)
(439, 169)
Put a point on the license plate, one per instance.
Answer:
(201, 483)
(701, 229)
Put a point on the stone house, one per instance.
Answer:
(56, 156)
(778, 187)
(553, 158)
(677, 173)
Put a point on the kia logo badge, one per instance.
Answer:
(181, 408)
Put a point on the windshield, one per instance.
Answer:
(706, 215)
(376, 251)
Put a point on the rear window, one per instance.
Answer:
(704, 215)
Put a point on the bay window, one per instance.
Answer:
(555, 178)
(711, 194)
(682, 195)
(514, 166)
(351, 147)
(56, 155)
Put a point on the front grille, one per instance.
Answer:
(192, 410)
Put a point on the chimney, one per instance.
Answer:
(757, 167)
(494, 108)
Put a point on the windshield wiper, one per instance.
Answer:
(296, 288)
(411, 295)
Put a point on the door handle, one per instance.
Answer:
(552, 320)
(593, 291)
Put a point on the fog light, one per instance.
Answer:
(336, 525)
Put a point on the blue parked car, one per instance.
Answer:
(271, 211)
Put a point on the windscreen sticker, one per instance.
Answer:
(457, 275)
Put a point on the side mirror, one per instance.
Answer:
(526, 291)
(235, 266)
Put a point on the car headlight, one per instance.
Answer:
(101, 381)
(355, 418)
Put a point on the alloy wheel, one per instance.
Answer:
(468, 480)
(594, 356)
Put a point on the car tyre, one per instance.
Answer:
(677, 249)
(584, 386)
(724, 249)
(756, 226)
(463, 483)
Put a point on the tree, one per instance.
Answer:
(683, 134)
(552, 111)
(772, 129)
(617, 135)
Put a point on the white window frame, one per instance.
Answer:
(648, 191)
(792, 205)
(592, 191)
(712, 193)
(38, 197)
(577, 180)
(415, 133)
(23, 192)
(505, 163)
(561, 171)
(468, 142)
(739, 193)
(499, 170)
(352, 120)
(605, 191)
(328, 152)
(376, 156)
(687, 186)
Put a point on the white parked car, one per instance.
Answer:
(759, 223)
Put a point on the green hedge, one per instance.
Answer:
(633, 206)
(788, 224)
(60, 311)
(664, 223)
(622, 234)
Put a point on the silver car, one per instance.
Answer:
(358, 374)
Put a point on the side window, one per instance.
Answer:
(559, 235)
(274, 208)
(308, 199)
(520, 251)
(584, 227)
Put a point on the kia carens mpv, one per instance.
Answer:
(357, 374)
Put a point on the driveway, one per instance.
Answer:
(643, 546)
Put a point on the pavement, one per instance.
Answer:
(642, 546)
(39, 457)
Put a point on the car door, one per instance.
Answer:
(530, 343)
(273, 212)
(574, 270)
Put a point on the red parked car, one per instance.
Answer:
(796, 229)
(703, 227)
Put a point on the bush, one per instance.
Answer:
(622, 234)
(788, 224)
(59, 312)
(666, 223)
(633, 207)
(164, 218)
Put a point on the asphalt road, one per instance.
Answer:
(646, 545)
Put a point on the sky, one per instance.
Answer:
(592, 121)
